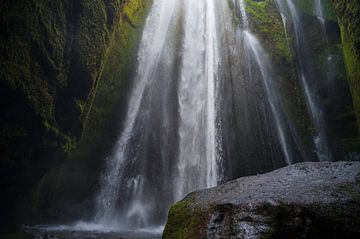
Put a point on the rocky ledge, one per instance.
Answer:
(307, 200)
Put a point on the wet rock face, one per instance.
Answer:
(307, 200)
(52, 59)
(348, 12)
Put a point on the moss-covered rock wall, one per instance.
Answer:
(52, 57)
(67, 192)
(348, 12)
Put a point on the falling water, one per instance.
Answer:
(197, 164)
(260, 57)
(320, 139)
(149, 57)
(320, 12)
(244, 17)
(259, 54)
(145, 166)
(177, 124)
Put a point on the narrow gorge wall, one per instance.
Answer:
(66, 191)
(348, 12)
(53, 54)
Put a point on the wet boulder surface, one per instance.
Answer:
(306, 200)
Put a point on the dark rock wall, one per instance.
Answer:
(52, 56)
(348, 12)
(67, 191)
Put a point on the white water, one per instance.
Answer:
(197, 164)
(319, 11)
(321, 141)
(152, 44)
(139, 183)
(260, 56)
(93, 227)
(188, 34)
(244, 17)
(261, 59)
(198, 160)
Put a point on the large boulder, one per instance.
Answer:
(307, 200)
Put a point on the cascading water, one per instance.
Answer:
(197, 164)
(171, 141)
(144, 167)
(204, 92)
(154, 51)
(208, 104)
(332, 73)
(260, 58)
(255, 49)
(320, 12)
(321, 141)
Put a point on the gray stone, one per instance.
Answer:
(307, 200)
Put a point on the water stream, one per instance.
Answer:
(205, 105)
(321, 140)
(175, 129)
(190, 70)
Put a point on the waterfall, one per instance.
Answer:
(260, 58)
(259, 54)
(197, 164)
(204, 93)
(321, 141)
(319, 11)
(150, 56)
(167, 147)
(243, 14)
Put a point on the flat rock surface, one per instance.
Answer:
(307, 200)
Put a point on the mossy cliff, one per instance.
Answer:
(265, 23)
(348, 12)
(66, 192)
(324, 66)
(53, 55)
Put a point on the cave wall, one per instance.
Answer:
(52, 57)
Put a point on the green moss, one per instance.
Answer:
(70, 144)
(308, 7)
(348, 12)
(185, 222)
(353, 70)
(101, 129)
(116, 72)
(53, 56)
(267, 23)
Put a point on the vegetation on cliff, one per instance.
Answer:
(63, 188)
(348, 12)
(52, 57)
(65, 72)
